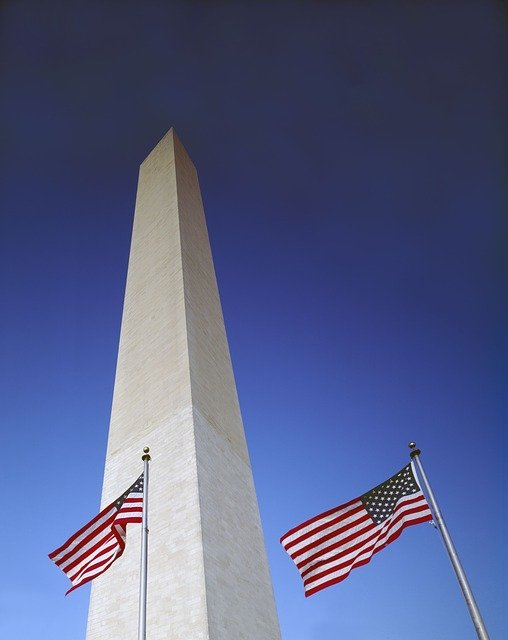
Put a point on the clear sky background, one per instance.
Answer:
(351, 157)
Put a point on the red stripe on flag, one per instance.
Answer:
(339, 540)
(310, 592)
(93, 548)
(316, 518)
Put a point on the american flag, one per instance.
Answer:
(94, 548)
(326, 548)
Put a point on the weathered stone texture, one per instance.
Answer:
(175, 392)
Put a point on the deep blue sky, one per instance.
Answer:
(351, 157)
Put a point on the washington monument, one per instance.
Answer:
(208, 576)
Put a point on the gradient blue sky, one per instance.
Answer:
(351, 157)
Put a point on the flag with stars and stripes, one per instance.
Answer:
(94, 548)
(326, 548)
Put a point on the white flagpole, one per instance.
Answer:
(450, 547)
(144, 550)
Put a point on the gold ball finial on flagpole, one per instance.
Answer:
(146, 455)
(414, 450)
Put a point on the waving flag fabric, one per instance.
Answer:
(326, 548)
(94, 548)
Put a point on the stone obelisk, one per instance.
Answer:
(208, 574)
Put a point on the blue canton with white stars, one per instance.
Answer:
(381, 501)
(137, 487)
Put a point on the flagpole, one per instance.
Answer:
(144, 550)
(450, 547)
